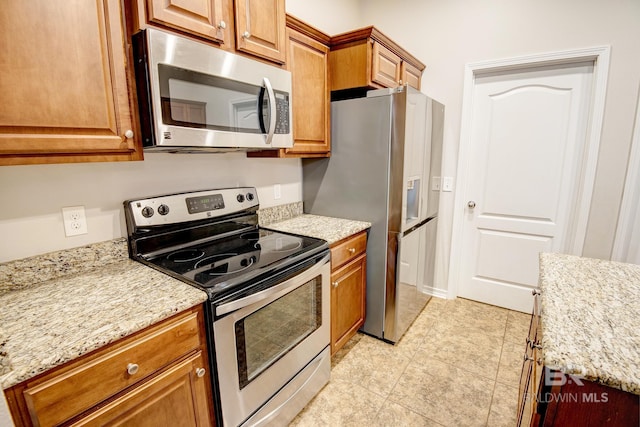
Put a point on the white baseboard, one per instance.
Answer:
(435, 292)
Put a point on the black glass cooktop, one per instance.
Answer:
(227, 262)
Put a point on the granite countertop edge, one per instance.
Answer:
(589, 326)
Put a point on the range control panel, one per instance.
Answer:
(191, 206)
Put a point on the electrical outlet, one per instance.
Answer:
(447, 183)
(435, 183)
(277, 191)
(75, 221)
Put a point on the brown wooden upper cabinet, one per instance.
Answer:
(64, 85)
(307, 51)
(366, 58)
(260, 28)
(209, 19)
(254, 27)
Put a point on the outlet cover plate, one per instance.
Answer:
(447, 184)
(75, 221)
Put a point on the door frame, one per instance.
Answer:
(627, 228)
(599, 55)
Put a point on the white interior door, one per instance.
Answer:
(527, 149)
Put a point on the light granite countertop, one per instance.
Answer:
(322, 227)
(59, 306)
(590, 319)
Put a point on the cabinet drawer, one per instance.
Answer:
(78, 389)
(349, 249)
(154, 402)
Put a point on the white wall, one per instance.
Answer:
(32, 196)
(331, 16)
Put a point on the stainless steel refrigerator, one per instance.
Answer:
(386, 151)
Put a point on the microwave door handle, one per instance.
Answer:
(272, 110)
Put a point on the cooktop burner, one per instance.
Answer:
(219, 263)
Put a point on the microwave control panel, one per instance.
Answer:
(282, 112)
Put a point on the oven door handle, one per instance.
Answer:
(298, 280)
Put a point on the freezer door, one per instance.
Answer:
(409, 298)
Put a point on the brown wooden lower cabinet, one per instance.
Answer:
(348, 288)
(158, 376)
(176, 394)
(565, 400)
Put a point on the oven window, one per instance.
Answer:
(198, 100)
(266, 335)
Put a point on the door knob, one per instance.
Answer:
(471, 204)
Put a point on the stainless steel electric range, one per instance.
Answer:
(268, 310)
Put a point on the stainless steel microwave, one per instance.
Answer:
(195, 97)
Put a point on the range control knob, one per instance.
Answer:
(249, 196)
(240, 198)
(163, 209)
(147, 212)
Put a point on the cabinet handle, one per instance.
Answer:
(534, 344)
(335, 284)
(246, 35)
(352, 251)
(132, 368)
(128, 134)
(200, 372)
(535, 292)
(222, 25)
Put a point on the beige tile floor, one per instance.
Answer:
(458, 365)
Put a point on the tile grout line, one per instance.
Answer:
(410, 359)
(495, 382)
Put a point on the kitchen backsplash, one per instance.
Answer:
(279, 213)
(27, 272)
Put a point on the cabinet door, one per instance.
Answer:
(260, 28)
(385, 66)
(204, 18)
(311, 97)
(64, 87)
(531, 370)
(347, 301)
(176, 397)
(410, 75)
